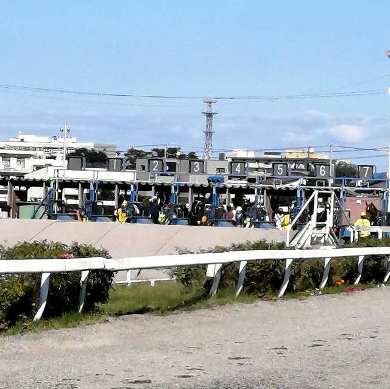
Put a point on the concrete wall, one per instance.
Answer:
(129, 240)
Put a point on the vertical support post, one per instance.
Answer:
(266, 205)
(128, 278)
(241, 277)
(116, 196)
(190, 196)
(228, 199)
(45, 281)
(217, 278)
(386, 278)
(313, 221)
(331, 165)
(332, 196)
(83, 288)
(81, 200)
(44, 192)
(299, 197)
(360, 269)
(287, 275)
(325, 276)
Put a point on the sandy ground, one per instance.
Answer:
(322, 342)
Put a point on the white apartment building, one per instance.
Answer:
(26, 153)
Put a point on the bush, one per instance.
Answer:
(266, 276)
(19, 294)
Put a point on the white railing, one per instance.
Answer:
(216, 260)
(355, 231)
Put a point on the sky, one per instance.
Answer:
(199, 49)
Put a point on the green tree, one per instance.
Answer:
(344, 169)
(132, 155)
(91, 155)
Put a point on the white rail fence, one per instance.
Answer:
(215, 261)
(378, 230)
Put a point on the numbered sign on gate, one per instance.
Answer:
(196, 167)
(279, 169)
(237, 168)
(171, 167)
(156, 165)
(366, 171)
(322, 170)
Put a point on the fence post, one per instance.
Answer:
(128, 278)
(287, 274)
(387, 271)
(216, 279)
(241, 277)
(326, 273)
(83, 288)
(360, 269)
(45, 281)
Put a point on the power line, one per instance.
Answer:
(94, 102)
(370, 92)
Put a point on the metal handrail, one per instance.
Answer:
(297, 217)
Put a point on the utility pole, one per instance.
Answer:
(331, 164)
(165, 157)
(388, 161)
(66, 131)
(208, 143)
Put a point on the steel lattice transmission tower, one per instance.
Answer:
(208, 143)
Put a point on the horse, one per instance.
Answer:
(372, 214)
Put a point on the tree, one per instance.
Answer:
(174, 152)
(192, 155)
(91, 155)
(132, 155)
(344, 169)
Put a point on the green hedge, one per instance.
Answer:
(19, 294)
(266, 276)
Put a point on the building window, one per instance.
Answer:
(220, 170)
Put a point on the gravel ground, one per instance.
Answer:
(321, 342)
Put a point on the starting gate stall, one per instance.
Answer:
(215, 211)
(135, 209)
(362, 195)
(174, 212)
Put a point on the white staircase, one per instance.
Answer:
(314, 232)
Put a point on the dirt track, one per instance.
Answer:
(327, 341)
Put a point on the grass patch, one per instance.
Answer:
(161, 299)
(334, 289)
(67, 320)
(141, 298)
(165, 297)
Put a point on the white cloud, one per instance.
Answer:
(269, 130)
(348, 133)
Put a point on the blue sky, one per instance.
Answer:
(198, 48)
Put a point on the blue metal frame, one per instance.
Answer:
(92, 192)
(133, 193)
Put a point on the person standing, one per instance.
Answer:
(363, 222)
(279, 219)
(229, 213)
(154, 211)
(239, 217)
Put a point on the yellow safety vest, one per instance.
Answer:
(363, 223)
(286, 221)
(122, 216)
